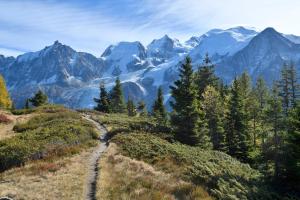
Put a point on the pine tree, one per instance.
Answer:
(294, 86)
(284, 88)
(254, 116)
(142, 108)
(117, 98)
(293, 149)
(275, 119)
(5, 101)
(205, 76)
(158, 109)
(214, 113)
(187, 117)
(39, 99)
(131, 110)
(261, 93)
(237, 130)
(103, 103)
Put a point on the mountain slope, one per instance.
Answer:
(72, 78)
(263, 56)
(55, 69)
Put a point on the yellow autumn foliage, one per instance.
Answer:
(5, 101)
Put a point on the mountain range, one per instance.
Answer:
(72, 78)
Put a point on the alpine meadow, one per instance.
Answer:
(216, 117)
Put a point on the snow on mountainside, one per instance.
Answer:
(124, 57)
(72, 78)
(218, 42)
(263, 56)
(293, 38)
(164, 48)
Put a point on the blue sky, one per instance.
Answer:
(92, 25)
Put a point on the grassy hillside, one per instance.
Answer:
(223, 176)
(54, 131)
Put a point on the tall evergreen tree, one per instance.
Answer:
(293, 149)
(275, 119)
(117, 98)
(39, 99)
(5, 101)
(131, 109)
(158, 109)
(214, 113)
(142, 108)
(187, 117)
(237, 131)
(285, 88)
(261, 92)
(294, 84)
(205, 76)
(103, 103)
(254, 117)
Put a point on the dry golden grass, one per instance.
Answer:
(124, 178)
(6, 130)
(62, 179)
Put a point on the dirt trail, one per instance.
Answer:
(93, 165)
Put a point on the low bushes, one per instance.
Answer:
(55, 131)
(224, 176)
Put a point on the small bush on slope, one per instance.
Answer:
(121, 123)
(224, 176)
(55, 131)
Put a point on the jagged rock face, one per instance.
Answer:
(57, 64)
(125, 57)
(72, 78)
(5, 62)
(160, 50)
(54, 68)
(264, 56)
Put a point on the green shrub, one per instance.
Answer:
(224, 176)
(55, 128)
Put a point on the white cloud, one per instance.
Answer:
(31, 25)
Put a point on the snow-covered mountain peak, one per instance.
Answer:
(123, 49)
(124, 57)
(221, 42)
(164, 48)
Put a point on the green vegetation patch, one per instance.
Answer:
(54, 131)
(224, 176)
(121, 123)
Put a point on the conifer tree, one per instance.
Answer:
(131, 110)
(254, 116)
(214, 113)
(237, 131)
(187, 117)
(261, 93)
(117, 98)
(285, 89)
(293, 149)
(142, 108)
(103, 103)
(158, 110)
(5, 101)
(294, 84)
(275, 119)
(205, 76)
(39, 99)
(261, 96)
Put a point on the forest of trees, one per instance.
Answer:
(252, 122)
